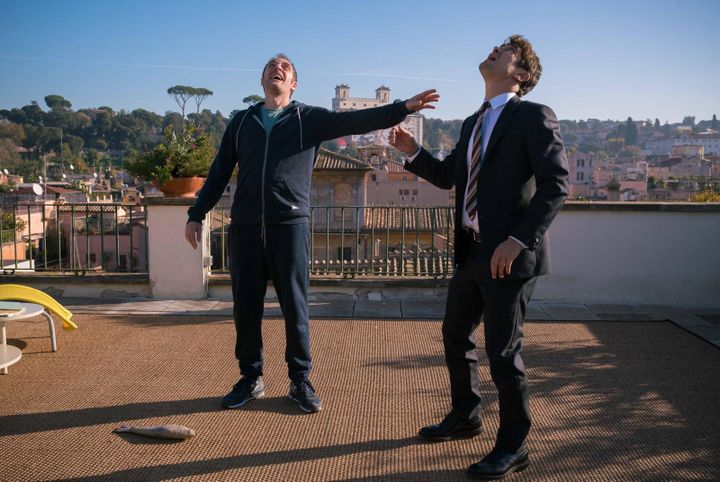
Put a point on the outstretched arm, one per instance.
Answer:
(421, 162)
(332, 125)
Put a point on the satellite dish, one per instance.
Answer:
(6, 172)
(95, 174)
(37, 189)
(64, 175)
(40, 178)
(72, 167)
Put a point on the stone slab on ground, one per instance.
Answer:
(377, 309)
(569, 312)
(338, 308)
(423, 310)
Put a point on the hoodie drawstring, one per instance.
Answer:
(297, 108)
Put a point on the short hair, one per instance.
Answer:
(284, 57)
(528, 60)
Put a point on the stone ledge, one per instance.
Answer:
(168, 201)
(71, 278)
(360, 282)
(684, 207)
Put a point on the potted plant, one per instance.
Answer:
(177, 165)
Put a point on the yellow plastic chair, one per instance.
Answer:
(11, 292)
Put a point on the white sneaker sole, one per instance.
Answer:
(303, 408)
(244, 402)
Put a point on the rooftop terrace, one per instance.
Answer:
(617, 393)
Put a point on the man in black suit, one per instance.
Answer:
(510, 172)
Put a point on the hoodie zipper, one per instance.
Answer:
(262, 185)
(262, 176)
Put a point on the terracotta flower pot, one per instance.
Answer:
(181, 187)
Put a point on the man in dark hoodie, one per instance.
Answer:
(274, 145)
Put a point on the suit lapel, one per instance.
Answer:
(462, 167)
(503, 122)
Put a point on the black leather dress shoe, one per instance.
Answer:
(452, 426)
(497, 464)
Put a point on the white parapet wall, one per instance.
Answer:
(176, 270)
(637, 253)
(624, 253)
(607, 252)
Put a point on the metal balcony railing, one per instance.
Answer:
(351, 241)
(73, 237)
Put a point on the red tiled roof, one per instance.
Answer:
(328, 160)
(423, 219)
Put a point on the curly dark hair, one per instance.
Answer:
(528, 60)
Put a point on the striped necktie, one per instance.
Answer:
(471, 195)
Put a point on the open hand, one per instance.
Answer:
(422, 101)
(193, 233)
(403, 141)
(503, 257)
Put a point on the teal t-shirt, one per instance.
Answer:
(269, 116)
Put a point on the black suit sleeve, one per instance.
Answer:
(549, 164)
(440, 173)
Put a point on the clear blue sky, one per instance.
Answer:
(601, 59)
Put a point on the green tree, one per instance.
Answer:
(631, 132)
(657, 123)
(34, 114)
(14, 132)
(9, 157)
(57, 103)
(615, 145)
(199, 95)
(181, 94)
(253, 99)
(714, 123)
(706, 196)
(10, 226)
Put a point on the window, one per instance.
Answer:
(400, 191)
(373, 177)
(343, 194)
(415, 192)
(581, 163)
(406, 192)
(580, 176)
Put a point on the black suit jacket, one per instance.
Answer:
(521, 187)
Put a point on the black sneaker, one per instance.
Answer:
(245, 390)
(303, 393)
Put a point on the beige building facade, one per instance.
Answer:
(342, 102)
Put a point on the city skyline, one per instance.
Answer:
(607, 61)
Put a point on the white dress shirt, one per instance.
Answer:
(497, 104)
(492, 114)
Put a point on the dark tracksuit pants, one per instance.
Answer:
(502, 303)
(284, 259)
